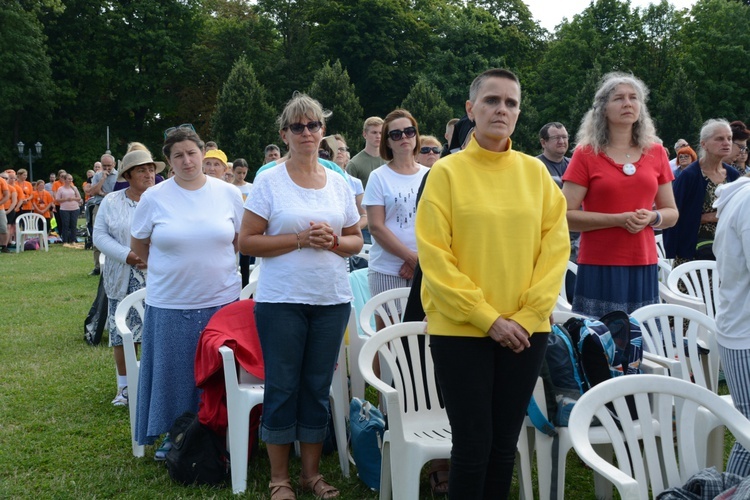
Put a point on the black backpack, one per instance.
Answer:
(198, 455)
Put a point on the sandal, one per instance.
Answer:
(439, 482)
(319, 487)
(282, 490)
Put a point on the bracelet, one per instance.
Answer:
(335, 242)
(658, 219)
(299, 246)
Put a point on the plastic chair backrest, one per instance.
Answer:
(562, 298)
(696, 276)
(389, 305)
(659, 464)
(675, 333)
(27, 225)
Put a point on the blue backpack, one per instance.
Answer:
(581, 354)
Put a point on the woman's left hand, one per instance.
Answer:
(510, 334)
(320, 235)
(638, 221)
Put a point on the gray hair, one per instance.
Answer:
(594, 131)
(301, 105)
(708, 130)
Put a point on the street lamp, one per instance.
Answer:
(32, 156)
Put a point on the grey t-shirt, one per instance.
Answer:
(362, 165)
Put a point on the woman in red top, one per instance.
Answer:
(620, 176)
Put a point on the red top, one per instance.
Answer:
(611, 191)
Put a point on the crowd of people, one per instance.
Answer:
(485, 253)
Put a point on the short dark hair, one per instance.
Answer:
(491, 73)
(544, 131)
(211, 144)
(239, 162)
(178, 135)
(271, 147)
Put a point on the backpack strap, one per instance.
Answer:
(538, 419)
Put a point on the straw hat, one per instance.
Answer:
(135, 158)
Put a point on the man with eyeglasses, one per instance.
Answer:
(554, 140)
(102, 184)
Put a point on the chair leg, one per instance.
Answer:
(386, 486)
(238, 436)
(523, 465)
(405, 471)
(339, 429)
(602, 487)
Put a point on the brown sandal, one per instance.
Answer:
(319, 487)
(282, 490)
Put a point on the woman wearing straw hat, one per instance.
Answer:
(125, 272)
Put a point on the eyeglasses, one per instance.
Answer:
(427, 149)
(742, 148)
(172, 129)
(322, 153)
(684, 157)
(298, 128)
(343, 149)
(396, 135)
(555, 138)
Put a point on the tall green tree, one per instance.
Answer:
(243, 123)
(715, 47)
(428, 107)
(332, 88)
(27, 90)
(677, 115)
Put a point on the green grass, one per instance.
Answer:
(59, 435)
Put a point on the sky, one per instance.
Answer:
(549, 13)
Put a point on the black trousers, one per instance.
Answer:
(486, 389)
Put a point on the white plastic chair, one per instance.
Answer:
(244, 392)
(27, 228)
(249, 290)
(665, 269)
(696, 276)
(365, 252)
(650, 459)
(357, 338)
(667, 296)
(562, 299)
(687, 330)
(390, 306)
(135, 300)
(660, 251)
(417, 433)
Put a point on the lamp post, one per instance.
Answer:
(32, 156)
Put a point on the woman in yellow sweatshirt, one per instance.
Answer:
(493, 243)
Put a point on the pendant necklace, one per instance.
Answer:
(628, 169)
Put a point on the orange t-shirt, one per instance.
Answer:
(3, 188)
(21, 194)
(28, 192)
(43, 198)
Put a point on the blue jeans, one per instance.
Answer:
(68, 222)
(300, 345)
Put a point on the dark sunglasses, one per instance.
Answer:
(427, 149)
(298, 128)
(322, 153)
(396, 135)
(172, 129)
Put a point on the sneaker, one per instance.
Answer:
(161, 452)
(5, 250)
(95, 272)
(122, 397)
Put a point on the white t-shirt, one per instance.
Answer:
(308, 276)
(398, 194)
(355, 185)
(191, 261)
(244, 189)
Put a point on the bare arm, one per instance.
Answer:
(362, 212)
(386, 238)
(140, 248)
(5, 198)
(581, 221)
(13, 201)
(96, 189)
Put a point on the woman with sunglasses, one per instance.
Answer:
(302, 220)
(391, 200)
(695, 191)
(185, 230)
(429, 151)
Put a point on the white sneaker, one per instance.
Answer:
(122, 397)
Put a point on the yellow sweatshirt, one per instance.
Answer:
(492, 240)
